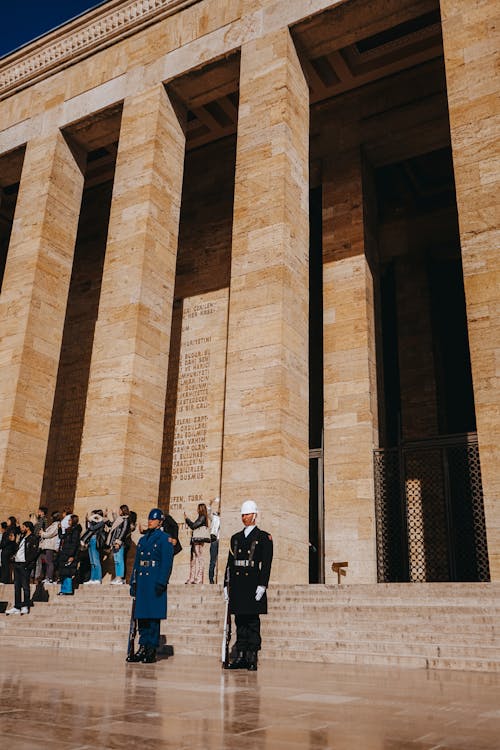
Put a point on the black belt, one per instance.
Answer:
(147, 563)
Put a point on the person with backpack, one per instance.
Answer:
(117, 536)
(94, 537)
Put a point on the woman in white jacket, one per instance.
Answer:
(49, 545)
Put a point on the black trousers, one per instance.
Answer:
(5, 568)
(21, 585)
(247, 633)
(149, 632)
(214, 553)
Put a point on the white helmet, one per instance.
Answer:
(249, 507)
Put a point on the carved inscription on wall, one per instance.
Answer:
(197, 449)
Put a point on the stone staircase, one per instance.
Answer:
(433, 626)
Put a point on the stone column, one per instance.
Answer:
(123, 429)
(471, 59)
(350, 387)
(32, 310)
(265, 455)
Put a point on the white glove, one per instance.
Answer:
(259, 593)
(226, 594)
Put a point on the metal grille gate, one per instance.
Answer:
(429, 512)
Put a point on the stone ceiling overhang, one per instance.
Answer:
(80, 38)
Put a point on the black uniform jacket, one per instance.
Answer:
(248, 566)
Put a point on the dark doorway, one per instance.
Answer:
(430, 519)
(316, 512)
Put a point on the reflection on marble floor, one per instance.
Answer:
(85, 701)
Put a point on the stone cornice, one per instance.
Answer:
(80, 38)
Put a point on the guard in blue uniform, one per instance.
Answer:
(148, 583)
(246, 579)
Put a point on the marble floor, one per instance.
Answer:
(75, 700)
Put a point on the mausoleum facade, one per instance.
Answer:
(249, 249)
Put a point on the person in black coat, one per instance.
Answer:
(246, 579)
(8, 548)
(24, 561)
(67, 560)
(171, 529)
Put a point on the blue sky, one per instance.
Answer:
(24, 20)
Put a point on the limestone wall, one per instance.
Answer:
(472, 52)
(98, 413)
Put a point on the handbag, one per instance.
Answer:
(200, 535)
(40, 594)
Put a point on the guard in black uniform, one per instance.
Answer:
(246, 579)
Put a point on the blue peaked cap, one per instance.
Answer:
(155, 515)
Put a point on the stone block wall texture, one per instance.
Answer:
(204, 255)
(472, 55)
(63, 451)
(350, 383)
(203, 259)
(419, 417)
(199, 416)
(32, 310)
(265, 453)
(122, 436)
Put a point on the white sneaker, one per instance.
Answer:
(13, 611)
(25, 611)
(117, 582)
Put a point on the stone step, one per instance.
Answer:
(347, 640)
(289, 640)
(395, 660)
(321, 593)
(466, 632)
(110, 602)
(440, 627)
(353, 656)
(384, 646)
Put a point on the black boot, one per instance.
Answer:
(139, 656)
(239, 662)
(252, 661)
(149, 656)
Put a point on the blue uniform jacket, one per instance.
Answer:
(152, 568)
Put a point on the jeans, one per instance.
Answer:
(119, 559)
(95, 560)
(48, 557)
(66, 585)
